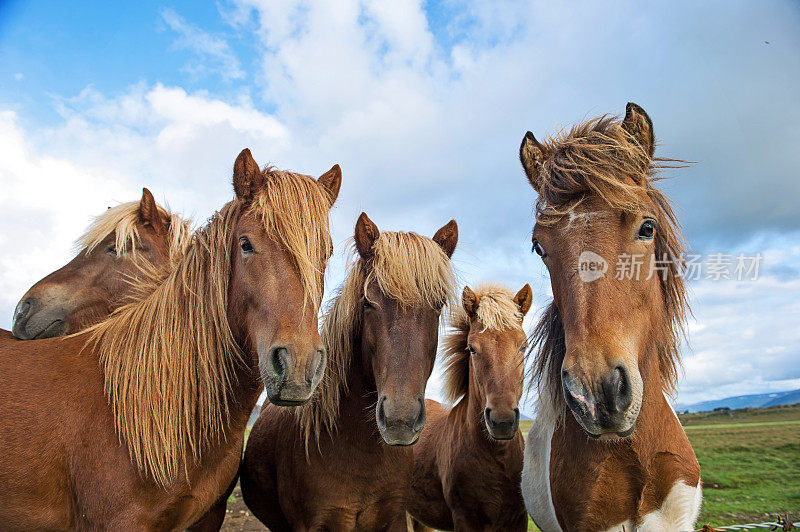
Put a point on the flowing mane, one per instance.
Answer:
(496, 311)
(168, 357)
(407, 267)
(122, 221)
(599, 158)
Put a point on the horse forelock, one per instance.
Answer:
(598, 158)
(496, 310)
(123, 221)
(408, 268)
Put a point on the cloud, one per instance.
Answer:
(214, 54)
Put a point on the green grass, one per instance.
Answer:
(749, 462)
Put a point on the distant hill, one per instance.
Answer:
(745, 401)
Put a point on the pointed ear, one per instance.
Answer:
(531, 155)
(148, 212)
(447, 237)
(469, 301)
(331, 181)
(523, 299)
(366, 235)
(640, 127)
(247, 176)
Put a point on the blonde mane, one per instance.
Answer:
(600, 158)
(123, 221)
(408, 268)
(496, 311)
(168, 358)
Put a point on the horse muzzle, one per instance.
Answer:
(33, 321)
(610, 406)
(285, 383)
(400, 422)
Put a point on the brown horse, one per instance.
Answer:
(608, 343)
(468, 461)
(138, 422)
(327, 465)
(103, 274)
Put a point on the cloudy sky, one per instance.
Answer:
(423, 104)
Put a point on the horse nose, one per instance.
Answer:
(400, 422)
(31, 321)
(501, 427)
(601, 408)
(286, 383)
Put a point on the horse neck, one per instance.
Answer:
(468, 412)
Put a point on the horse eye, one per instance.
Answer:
(647, 230)
(470, 350)
(538, 249)
(523, 347)
(111, 250)
(246, 246)
(368, 304)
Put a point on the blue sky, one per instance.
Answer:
(423, 104)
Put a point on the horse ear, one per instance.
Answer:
(469, 301)
(531, 155)
(447, 237)
(148, 212)
(366, 235)
(331, 182)
(523, 299)
(247, 176)
(638, 124)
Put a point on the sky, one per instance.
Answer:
(423, 104)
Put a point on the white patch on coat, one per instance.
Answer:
(536, 469)
(678, 511)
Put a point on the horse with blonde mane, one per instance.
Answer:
(468, 462)
(104, 273)
(606, 451)
(138, 422)
(342, 461)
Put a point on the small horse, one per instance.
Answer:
(103, 275)
(327, 465)
(608, 343)
(138, 423)
(468, 461)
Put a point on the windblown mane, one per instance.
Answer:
(496, 311)
(599, 158)
(168, 357)
(123, 221)
(408, 268)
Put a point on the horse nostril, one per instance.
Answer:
(618, 390)
(487, 414)
(381, 413)
(422, 416)
(22, 310)
(278, 365)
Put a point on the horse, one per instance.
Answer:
(468, 461)
(102, 276)
(606, 347)
(138, 422)
(343, 461)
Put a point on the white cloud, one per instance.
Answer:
(213, 52)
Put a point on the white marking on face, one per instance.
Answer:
(536, 468)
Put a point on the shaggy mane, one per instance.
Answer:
(168, 357)
(496, 311)
(123, 221)
(408, 268)
(599, 158)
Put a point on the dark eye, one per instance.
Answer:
(111, 250)
(246, 246)
(538, 249)
(368, 304)
(470, 350)
(523, 347)
(647, 230)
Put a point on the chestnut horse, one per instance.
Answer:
(608, 343)
(138, 422)
(342, 462)
(103, 274)
(468, 461)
